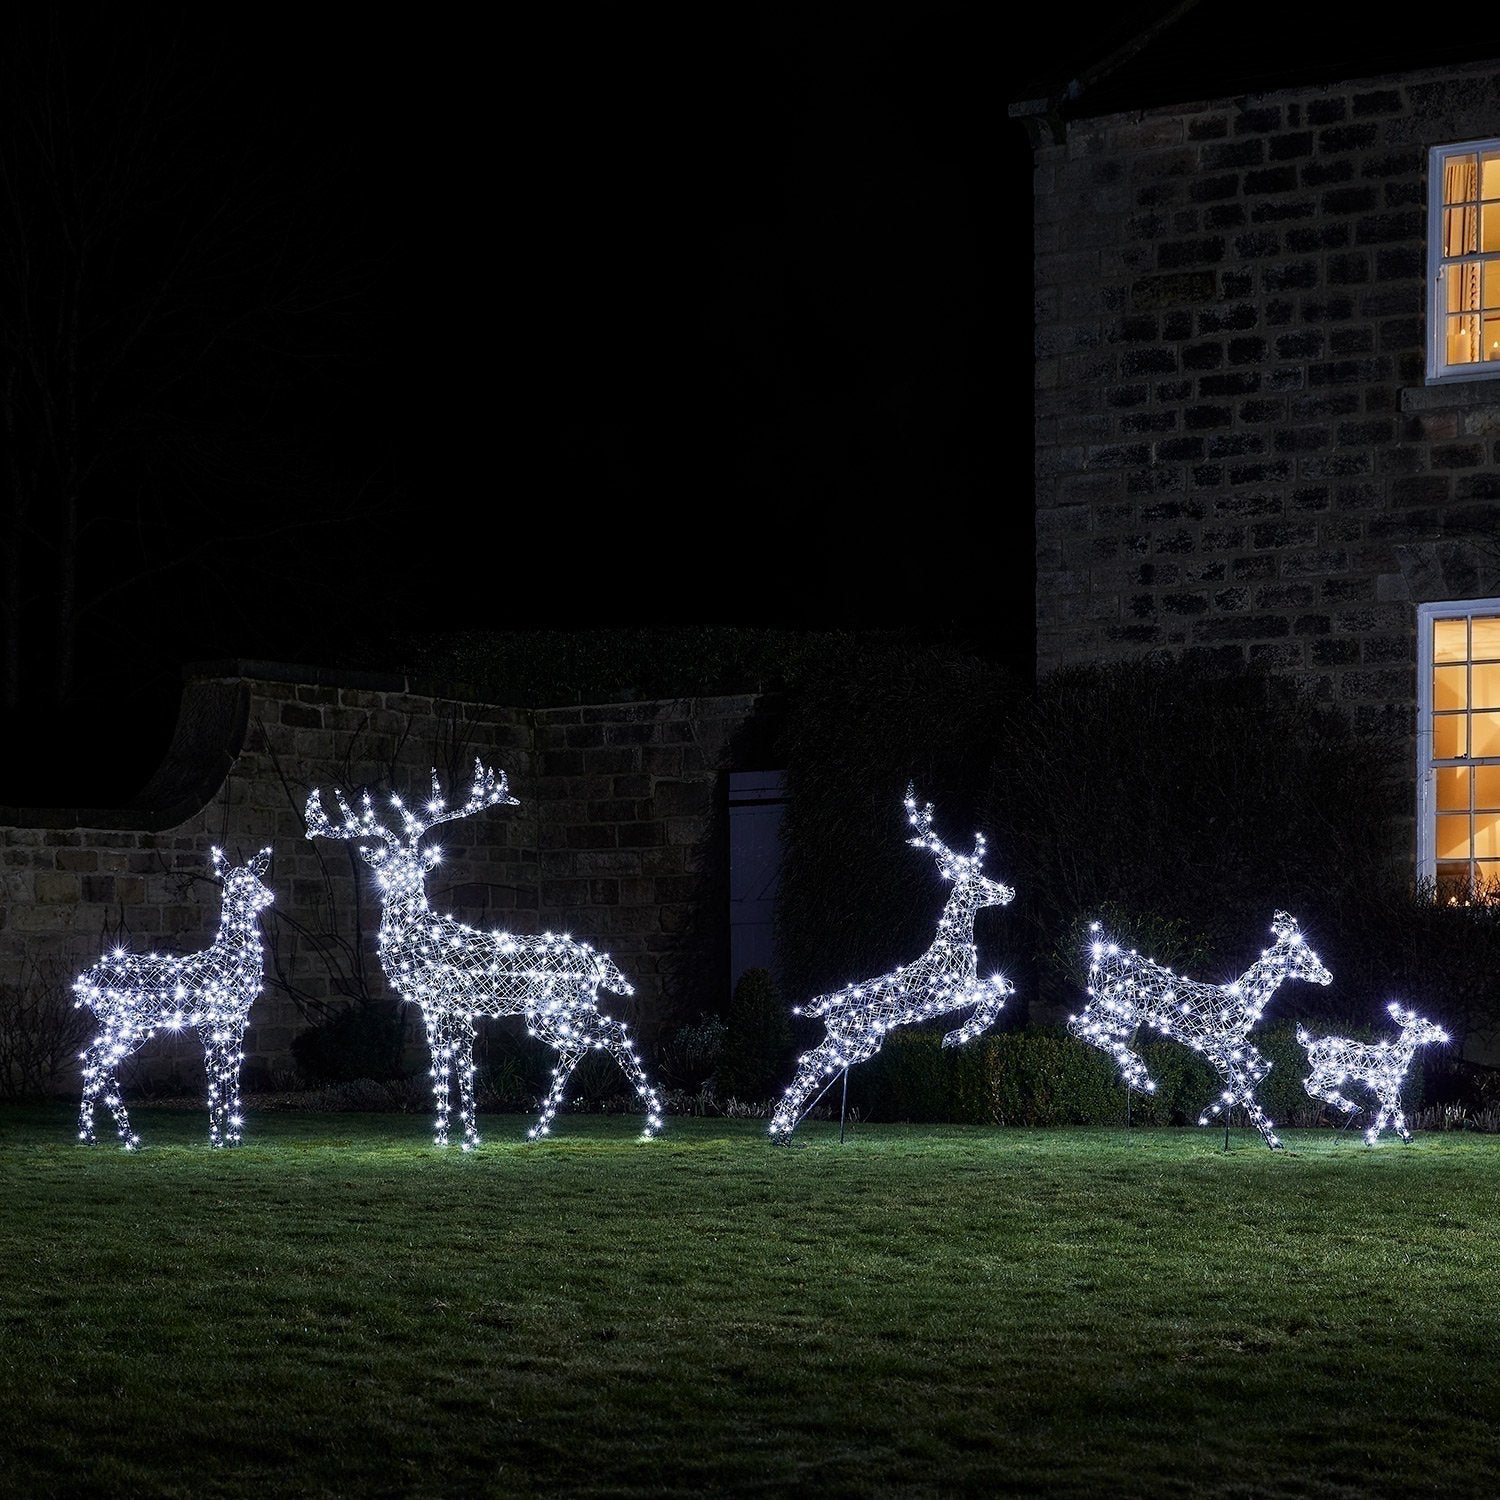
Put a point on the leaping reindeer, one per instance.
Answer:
(945, 978)
(457, 974)
(135, 996)
(1380, 1066)
(1127, 991)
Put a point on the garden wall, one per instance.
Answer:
(620, 839)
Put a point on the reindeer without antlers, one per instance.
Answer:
(1334, 1061)
(135, 996)
(1127, 991)
(945, 978)
(457, 974)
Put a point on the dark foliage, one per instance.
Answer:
(359, 1041)
(757, 1056)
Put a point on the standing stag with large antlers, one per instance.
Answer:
(945, 978)
(457, 974)
(136, 995)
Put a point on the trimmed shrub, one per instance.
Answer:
(756, 1054)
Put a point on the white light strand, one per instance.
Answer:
(1335, 1061)
(945, 978)
(135, 996)
(1127, 991)
(457, 974)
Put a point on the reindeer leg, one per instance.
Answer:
(614, 1036)
(462, 1035)
(984, 1015)
(101, 1059)
(441, 1052)
(812, 1068)
(567, 1061)
(222, 1058)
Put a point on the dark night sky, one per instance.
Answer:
(612, 316)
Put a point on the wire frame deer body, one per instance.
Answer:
(134, 996)
(1127, 992)
(1335, 1061)
(945, 978)
(457, 974)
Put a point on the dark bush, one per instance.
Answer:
(360, 1041)
(756, 1058)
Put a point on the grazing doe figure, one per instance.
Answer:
(457, 974)
(135, 996)
(945, 978)
(1127, 991)
(1381, 1066)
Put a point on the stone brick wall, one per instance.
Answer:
(620, 839)
(1236, 455)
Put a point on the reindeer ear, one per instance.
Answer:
(220, 863)
(259, 862)
(374, 857)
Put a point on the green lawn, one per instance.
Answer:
(337, 1309)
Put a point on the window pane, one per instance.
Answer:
(1452, 883)
(1491, 277)
(1489, 228)
(1484, 683)
(1450, 688)
(1487, 835)
(1486, 638)
(1461, 286)
(1484, 734)
(1489, 336)
(1486, 785)
(1460, 231)
(1489, 175)
(1460, 177)
(1453, 787)
(1449, 736)
(1487, 878)
(1452, 837)
(1450, 640)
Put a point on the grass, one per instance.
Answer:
(337, 1309)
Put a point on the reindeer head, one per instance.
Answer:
(1295, 957)
(398, 861)
(964, 870)
(1416, 1030)
(244, 889)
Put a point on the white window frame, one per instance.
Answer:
(1452, 609)
(1439, 370)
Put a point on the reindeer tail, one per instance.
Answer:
(1304, 1037)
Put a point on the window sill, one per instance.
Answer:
(1469, 392)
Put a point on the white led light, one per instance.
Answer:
(1127, 991)
(456, 974)
(133, 996)
(1381, 1067)
(945, 978)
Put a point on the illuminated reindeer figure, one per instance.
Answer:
(457, 974)
(1380, 1066)
(945, 978)
(135, 996)
(1127, 991)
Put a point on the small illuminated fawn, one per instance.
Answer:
(135, 996)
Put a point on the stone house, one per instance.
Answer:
(1267, 398)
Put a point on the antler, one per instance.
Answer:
(921, 820)
(355, 826)
(490, 789)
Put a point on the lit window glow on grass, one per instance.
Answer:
(1127, 991)
(457, 974)
(945, 978)
(134, 996)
